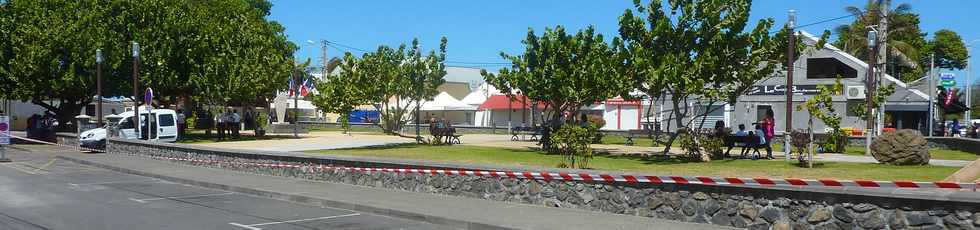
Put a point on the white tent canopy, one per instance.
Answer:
(442, 102)
(480, 95)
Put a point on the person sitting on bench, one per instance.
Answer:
(762, 141)
(737, 141)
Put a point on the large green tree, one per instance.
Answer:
(564, 71)
(949, 49)
(223, 51)
(695, 50)
(341, 93)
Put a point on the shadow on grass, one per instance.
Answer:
(191, 138)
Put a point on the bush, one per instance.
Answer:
(261, 121)
(190, 121)
(701, 145)
(573, 143)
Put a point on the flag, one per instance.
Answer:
(304, 89)
(292, 86)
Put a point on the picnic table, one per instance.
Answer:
(748, 142)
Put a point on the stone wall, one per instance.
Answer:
(737, 206)
(957, 143)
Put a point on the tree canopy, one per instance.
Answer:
(208, 50)
(698, 50)
(563, 71)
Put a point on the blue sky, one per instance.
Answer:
(478, 30)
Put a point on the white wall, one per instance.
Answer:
(621, 117)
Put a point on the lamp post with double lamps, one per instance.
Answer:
(98, 84)
(136, 90)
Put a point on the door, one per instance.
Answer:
(152, 127)
(167, 126)
(126, 129)
(760, 112)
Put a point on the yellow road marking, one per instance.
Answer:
(20, 169)
(46, 165)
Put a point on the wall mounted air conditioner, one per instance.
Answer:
(854, 92)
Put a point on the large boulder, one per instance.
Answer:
(902, 147)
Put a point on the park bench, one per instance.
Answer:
(746, 142)
(447, 135)
(518, 133)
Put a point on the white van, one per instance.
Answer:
(163, 123)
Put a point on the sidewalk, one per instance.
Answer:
(460, 212)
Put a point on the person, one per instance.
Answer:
(181, 123)
(763, 141)
(954, 130)
(769, 126)
(236, 123)
(741, 131)
(220, 120)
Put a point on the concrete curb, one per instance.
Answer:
(308, 200)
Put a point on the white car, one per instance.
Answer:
(163, 122)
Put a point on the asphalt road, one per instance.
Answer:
(40, 192)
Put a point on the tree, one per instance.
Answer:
(821, 106)
(949, 49)
(563, 71)
(394, 80)
(905, 41)
(341, 93)
(215, 49)
(697, 50)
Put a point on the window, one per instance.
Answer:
(760, 111)
(828, 68)
(166, 120)
(128, 124)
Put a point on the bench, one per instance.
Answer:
(450, 135)
(746, 142)
(518, 133)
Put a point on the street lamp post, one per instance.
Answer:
(98, 84)
(869, 88)
(136, 77)
(791, 48)
(969, 83)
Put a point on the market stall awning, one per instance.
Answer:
(504, 102)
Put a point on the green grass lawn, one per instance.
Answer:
(657, 165)
(198, 137)
(620, 140)
(936, 153)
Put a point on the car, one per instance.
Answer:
(164, 122)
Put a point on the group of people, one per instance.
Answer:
(42, 127)
(764, 131)
(441, 128)
(229, 123)
(955, 127)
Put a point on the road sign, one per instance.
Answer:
(948, 83)
(148, 97)
(4, 130)
(946, 76)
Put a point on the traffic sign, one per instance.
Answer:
(948, 83)
(946, 76)
(4, 130)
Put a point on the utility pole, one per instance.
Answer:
(418, 95)
(969, 83)
(98, 84)
(136, 90)
(884, 6)
(790, 50)
(869, 88)
(296, 83)
(932, 92)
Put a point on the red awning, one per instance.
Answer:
(504, 102)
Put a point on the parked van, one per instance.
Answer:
(163, 128)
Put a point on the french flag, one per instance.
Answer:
(292, 87)
(306, 87)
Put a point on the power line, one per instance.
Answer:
(822, 21)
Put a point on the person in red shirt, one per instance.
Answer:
(769, 126)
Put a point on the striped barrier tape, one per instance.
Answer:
(80, 148)
(589, 177)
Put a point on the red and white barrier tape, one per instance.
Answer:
(55, 144)
(587, 177)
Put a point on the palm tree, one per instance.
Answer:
(904, 39)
